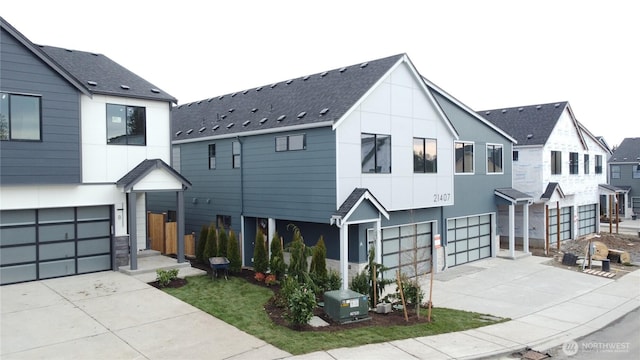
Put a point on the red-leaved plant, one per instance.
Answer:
(259, 276)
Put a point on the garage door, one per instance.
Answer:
(468, 239)
(587, 219)
(565, 223)
(46, 243)
(407, 248)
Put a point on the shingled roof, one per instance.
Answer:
(627, 152)
(529, 125)
(318, 99)
(101, 75)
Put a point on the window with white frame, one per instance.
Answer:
(615, 171)
(494, 159)
(291, 142)
(464, 157)
(236, 150)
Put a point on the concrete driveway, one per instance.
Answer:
(109, 315)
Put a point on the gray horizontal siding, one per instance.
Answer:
(56, 158)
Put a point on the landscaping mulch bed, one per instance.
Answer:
(276, 313)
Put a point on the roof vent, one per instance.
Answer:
(234, 94)
(202, 129)
(504, 111)
(302, 114)
(520, 109)
(324, 111)
(223, 116)
(180, 106)
(263, 120)
(199, 102)
(529, 136)
(245, 92)
(488, 113)
(125, 87)
(539, 107)
(246, 123)
(220, 97)
(178, 132)
(92, 83)
(229, 126)
(557, 105)
(254, 110)
(215, 128)
(232, 110)
(364, 65)
(305, 78)
(281, 117)
(324, 74)
(343, 69)
(189, 131)
(289, 82)
(155, 91)
(273, 85)
(209, 100)
(259, 88)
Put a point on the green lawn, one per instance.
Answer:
(241, 304)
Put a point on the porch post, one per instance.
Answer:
(180, 220)
(344, 256)
(512, 231)
(379, 241)
(525, 228)
(133, 239)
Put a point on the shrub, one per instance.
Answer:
(259, 276)
(298, 264)
(211, 249)
(223, 243)
(270, 280)
(334, 281)
(164, 277)
(360, 283)
(301, 303)
(379, 269)
(260, 259)
(411, 289)
(276, 262)
(318, 268)
(202, 243)
(235, 260)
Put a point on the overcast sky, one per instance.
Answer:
(488, 54)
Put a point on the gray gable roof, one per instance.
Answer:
(136, 174)
(101, 75)
(529, 125)
(627, 152)
(318, 99)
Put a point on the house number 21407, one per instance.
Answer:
(441, 197)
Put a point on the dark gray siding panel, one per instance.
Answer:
(55, 159)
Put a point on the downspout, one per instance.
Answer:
(443, 239)
(241, 197)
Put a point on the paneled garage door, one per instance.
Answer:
(46, 243)
(468, 239)
(587, 218)
(565, 223)
(407, 248)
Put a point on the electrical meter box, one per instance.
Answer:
(346, 306)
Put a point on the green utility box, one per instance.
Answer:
(346, 306)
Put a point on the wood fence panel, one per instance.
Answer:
(190, 245)
(171, 238)
(156, 231)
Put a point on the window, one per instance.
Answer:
(291, 142)
(494, 159)
(223, 221)
(615, 171)
(635, 172)
(376, 153)
(586, 163)
(236, 149)
(126, 125)
(20, 117)
(212, 156)
(425, 155)
(573, 163)
(515, 155)
(598, 164)
(556, 162)
(464, 157)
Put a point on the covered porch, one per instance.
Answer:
(512, 198)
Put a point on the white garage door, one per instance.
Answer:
(407, 248)
(45, 243)
(587, 218)
(468, 239)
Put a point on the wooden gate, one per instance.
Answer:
(163, 235)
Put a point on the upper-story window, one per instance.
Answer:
(586, 163)
(598, 164)
(515, 155)
(635, 172)
(494, 158)
(235, 149)
(291, 142)
(425, 155)
(375, 153)
(573, 163)
(126, 125)
(212, 156)
(615, 171)
(556, 162)
(20, 117)
(464, 157)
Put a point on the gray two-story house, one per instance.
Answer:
(367, 155)
(624, 176)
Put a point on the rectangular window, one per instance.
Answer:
(494, 159)
(615, 171)
(425, 155)
(598, 164)
(376, 153)
(20, 117)
(236, 151)
(573, 163)
(635, 172)
(464, 157)
(126, 125)
(223, 221)
(515, 155)
(212, 156)
(586, 163)
(291, 142)
(556, 163)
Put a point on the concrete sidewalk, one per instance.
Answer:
(548, 306)
(110, 315)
